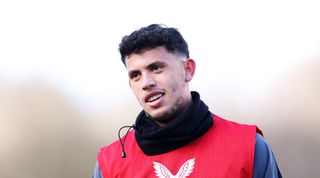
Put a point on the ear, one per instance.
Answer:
(189, 67)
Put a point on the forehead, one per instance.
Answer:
(158, 54)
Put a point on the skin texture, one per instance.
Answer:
(159, 80)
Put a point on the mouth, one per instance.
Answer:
(153, 97)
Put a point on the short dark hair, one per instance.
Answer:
(150, 37)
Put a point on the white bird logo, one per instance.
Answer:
(184, 171)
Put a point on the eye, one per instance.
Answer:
(134, 75)
(156, 67)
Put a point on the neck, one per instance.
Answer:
(192, 122)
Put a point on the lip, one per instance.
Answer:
(151, 94)
(155, 103)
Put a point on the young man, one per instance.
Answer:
(176, 135)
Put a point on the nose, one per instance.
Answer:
(148, 82)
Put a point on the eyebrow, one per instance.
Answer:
(156, 63)
(132, 72)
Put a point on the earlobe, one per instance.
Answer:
(190, 67)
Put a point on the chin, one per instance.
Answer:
(155, 116)
(157, 113)
(161, 117)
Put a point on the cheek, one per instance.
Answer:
(172, 79)
(177, 82)
(175, 86)
(137, 95)
(134, 89)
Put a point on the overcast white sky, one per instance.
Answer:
(73, 44)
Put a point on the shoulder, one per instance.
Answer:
(265, 164)
(235, 126)
(97, 172)
(109, 154)
(117, 144)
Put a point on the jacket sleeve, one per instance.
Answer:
(265, 164)
(97, 172)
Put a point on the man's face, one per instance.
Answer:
(158, 80)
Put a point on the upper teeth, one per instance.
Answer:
(154, 97)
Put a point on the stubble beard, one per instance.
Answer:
(170, 114)
(175, 109)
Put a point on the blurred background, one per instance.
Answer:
(64, 92)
